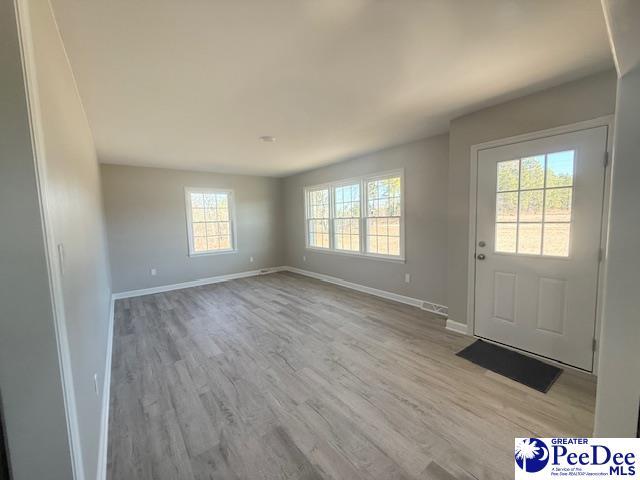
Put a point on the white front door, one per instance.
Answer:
(538, 231)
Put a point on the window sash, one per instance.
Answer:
(212, 230)
(362, 219)
(319, 236)
(312, 219)
(343, 195)
(384, 226)
(386, 235)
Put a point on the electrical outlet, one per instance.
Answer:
(95, 384)
(251, 259)
(153, 272)
(304, 258)
(407, 278)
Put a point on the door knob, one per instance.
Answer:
(481, 256)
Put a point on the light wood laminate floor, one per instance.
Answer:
(282, 376)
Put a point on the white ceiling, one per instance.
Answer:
(192, 84)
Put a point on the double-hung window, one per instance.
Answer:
(318, 217)
(361, 216)
(384, 216)
(210, 221)
(346, 217)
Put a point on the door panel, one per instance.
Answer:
(538, 227)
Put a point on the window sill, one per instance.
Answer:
(213, 252)
(367, 256)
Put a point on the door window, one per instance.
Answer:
(533, 205)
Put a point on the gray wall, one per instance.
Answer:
(74, 210)
(146, 225)
(425, 171)
(584, 99)
(30, 378)
(618, 398)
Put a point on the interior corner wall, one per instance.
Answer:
(584, 99)
(618, 395)
(147, 225)
(31, 391)
(425, 173)
(70, 184)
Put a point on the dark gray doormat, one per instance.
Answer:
(526, 370)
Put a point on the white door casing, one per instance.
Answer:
(534, 290)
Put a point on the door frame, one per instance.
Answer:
(52, 252)
(604, 121)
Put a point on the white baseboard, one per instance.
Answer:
(423, 304)
(106, 392)
(194, 283)
(457, 326)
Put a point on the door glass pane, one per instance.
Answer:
(532, 172)
(530, 238)
(531, 193)
(531, 206)
(560, 169)
(507, 207)
(557, 206)
(506, 237)
(508, 175)
(556, 239)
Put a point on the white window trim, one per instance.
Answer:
(363, 217)
(232, 220)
